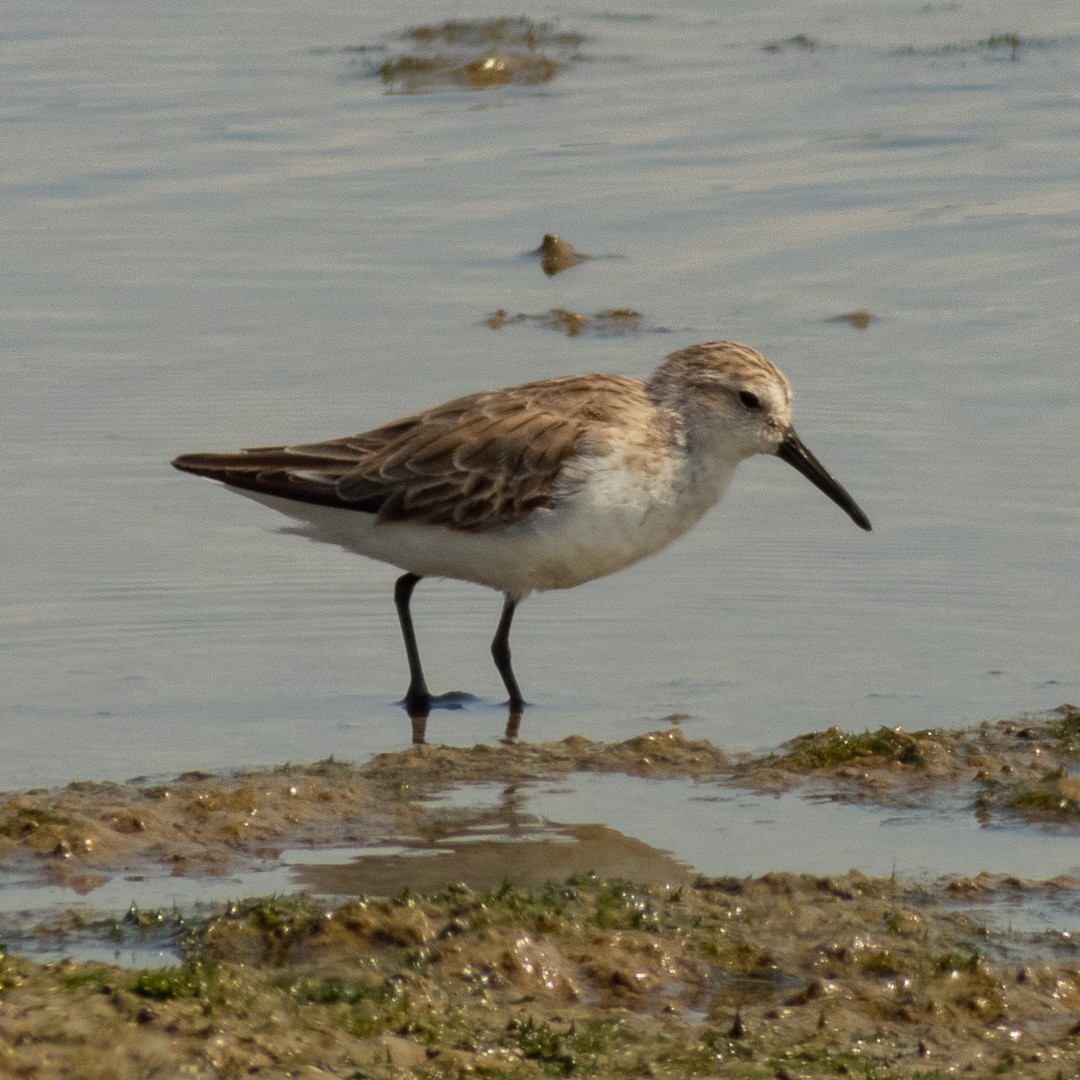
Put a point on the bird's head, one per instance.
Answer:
(731, 395)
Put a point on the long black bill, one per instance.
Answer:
(796, 455)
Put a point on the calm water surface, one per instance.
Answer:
(221, 231)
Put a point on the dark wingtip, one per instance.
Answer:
(213, 466)
(183, 462)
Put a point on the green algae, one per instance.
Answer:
(478, 54)
(588, 976)
(829, 749)
(611, 322)
(801, 42)
(506, 32)
(1004, 46)
(859, 319)
(557, 255)
(780, 975)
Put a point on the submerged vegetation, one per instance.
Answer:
(474, 54)
(834, 747)
(781, 975)
(572, 323)
(859, 319)
(796, 41)
(542, 974)
(557, 255)
(1004, 46)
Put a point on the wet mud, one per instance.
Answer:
(1021, 769)
(784, 975)
(573, 951)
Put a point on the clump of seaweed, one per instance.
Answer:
(1054, 798)
(478, 54)
(833, 747)
(995, 47)
(802, 42)
(781, 975)
(557, 255)
(611, 322)
(859, 319)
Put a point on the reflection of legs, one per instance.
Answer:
(500, 651)
(513, 725)
(417, 698)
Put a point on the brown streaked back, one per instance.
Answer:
(479, 462)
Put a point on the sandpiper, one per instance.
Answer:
(540, 486)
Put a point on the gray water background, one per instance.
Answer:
(219, 230)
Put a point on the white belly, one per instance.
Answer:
(615, 518)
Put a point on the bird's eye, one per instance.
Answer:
(751, 401)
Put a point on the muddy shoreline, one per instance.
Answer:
(585, 954)
(204, 823)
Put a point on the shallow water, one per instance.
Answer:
(480, 835)
(221, 232)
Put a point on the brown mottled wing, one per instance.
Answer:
(479, 462)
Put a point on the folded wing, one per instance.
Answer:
(482, 461)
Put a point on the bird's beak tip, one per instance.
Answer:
(794, 452)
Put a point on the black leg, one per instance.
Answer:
(417, 698)
(500, 651)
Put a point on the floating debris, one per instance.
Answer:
(798, 41)
(860, 319)
(511, 32)
(995, 47)
(476, 54)
(411, 74)
(572, 323)
(556, 255)
(1003, 41)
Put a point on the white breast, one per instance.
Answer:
(615, 515)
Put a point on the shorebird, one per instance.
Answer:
(541, 486)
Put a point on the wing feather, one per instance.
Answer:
(479, 462)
